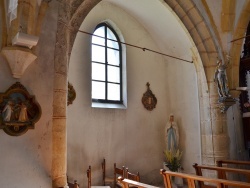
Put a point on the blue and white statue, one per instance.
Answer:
(172, 134)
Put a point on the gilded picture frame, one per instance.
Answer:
(71, 94)
(19, 111)
(148, 99)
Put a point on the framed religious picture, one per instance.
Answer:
(148, 99)
(19, 111)
(71, 94)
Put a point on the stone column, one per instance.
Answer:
(59, 142)
(214, 133)
(217, 139)
(3, 25)
(64, 42)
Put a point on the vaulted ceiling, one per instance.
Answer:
(163, 25)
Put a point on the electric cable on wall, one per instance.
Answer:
(131, 45)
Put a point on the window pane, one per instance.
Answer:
(113, 57)
(112, 43)
(113, 74)
(106, 70)
(98, 71)
(98, 90)
(113, 92)
(98, 40)
(110, 34)
(98, 53)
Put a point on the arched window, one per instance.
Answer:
(106, 66)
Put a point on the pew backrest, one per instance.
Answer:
(192, 179)
(126, 183)
(222, 172)
(220, 163)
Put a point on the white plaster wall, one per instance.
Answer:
(26, 159)
(133, 137)
(183, 94)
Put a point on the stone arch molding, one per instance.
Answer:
(71, 15)
(206, 48)
(205, 45)
(199, 32)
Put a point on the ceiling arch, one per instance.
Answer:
(186, 13)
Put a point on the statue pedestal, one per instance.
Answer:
(19, 58)
(225, 102)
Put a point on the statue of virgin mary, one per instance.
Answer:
(172, 134)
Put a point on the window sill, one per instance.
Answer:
(107, 105)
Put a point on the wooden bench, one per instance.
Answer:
(132, 176)
(73, 185)
(122, 171)
(106, 180)
(192, 179)
(126, 183)
(118, 171)
(222, 172)
(236, 163)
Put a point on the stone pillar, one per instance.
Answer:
(64, 42)
(214, 133)
(220, 138)
(59, 142)
(22, 20)
(41, 14)
(3, 25)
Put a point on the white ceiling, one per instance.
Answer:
(163, 25)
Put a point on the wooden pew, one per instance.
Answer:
(73, 185)
(126, 183)
(106, 180)
(132, 176)
(118, 172)
(192, 179)
(222, 172)
(236, 163)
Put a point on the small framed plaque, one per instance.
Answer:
(148, 99)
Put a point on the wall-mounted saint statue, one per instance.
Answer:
(220, 77)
